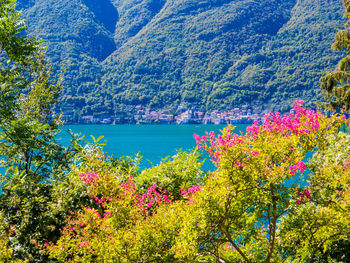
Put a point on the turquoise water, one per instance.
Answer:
(153, 142)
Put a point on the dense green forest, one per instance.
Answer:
(215, 54)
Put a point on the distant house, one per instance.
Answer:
(166, 118)
(207, 120)
(106, 121)
(219, 121)
(87, 119)
(235, 120)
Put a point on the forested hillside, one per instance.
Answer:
(216, 54)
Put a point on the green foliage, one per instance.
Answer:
(6, 252)
(28, 150)
(70, 193)
(253, 208)
(335, 84)
(237, 215)
(181, 171)
(318, 229)
(117, 219)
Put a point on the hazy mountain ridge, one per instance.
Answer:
(160, 53)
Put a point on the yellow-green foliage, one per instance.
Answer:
(182, 170)
(5, 251)
(257, 206)
(317, 224)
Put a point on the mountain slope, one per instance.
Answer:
(290, 65)
(163, 53)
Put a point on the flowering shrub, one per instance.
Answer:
(240, 208)
(117, 210)
(89, 178)
(258, 206)
(318, 228)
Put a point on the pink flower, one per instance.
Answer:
(89, 178)
(307, 193)
(84, 243)
(300, 166)
(190, 191)
(254, 129)
(238, 164)
(298, 103)
(166, 199)
(196, 137)
(298, 201)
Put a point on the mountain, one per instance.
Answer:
(215, 54)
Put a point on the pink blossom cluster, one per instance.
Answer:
(84, 243)
(301, 195)
(190, 191)
(91, 178)
(129, 187)
(129, 184)
(300, 166)
(298, 122)
(255, 153)
(107, 214)
(154, 197)
(146, 201)
(302, 121)
(230, 140)
(101, 201)
(239, 164)
(253, 129)
(347, 163)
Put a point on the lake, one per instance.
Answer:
(153, 142)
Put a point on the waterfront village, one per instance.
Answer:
(189, 115)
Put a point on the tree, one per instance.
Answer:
(255, 207)
(28, 128)
(318, 228)
(336, 84)
(26, 96)
(237, 215)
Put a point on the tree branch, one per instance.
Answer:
(228, 236)
(272, 226)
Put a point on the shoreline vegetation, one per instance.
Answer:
(266, 201)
